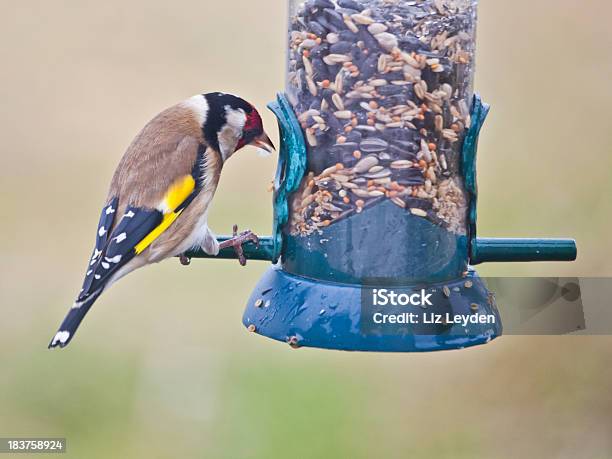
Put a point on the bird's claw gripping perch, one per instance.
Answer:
(238, 240)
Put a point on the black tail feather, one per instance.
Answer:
(72, 321)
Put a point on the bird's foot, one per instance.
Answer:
(238, 240)
(185, 260)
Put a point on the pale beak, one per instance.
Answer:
(264, 143)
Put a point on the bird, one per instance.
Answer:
(159, 197)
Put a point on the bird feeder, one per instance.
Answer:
(376, 181)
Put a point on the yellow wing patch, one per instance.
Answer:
(178, 192)
(175, 196)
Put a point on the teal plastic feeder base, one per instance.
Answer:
(308, 313)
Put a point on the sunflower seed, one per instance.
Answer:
(312, 87)
(343, 114)
(311, 138)
(425, 152)
(307, 66)
(332, 38)
(376, 28)
(366, 128)
(380, 174)
(375, 194)
(402, 164)
(340, 178)
(362, 19)
(339, 83)
(431, 175)
(382, 63)
(308, 114)
(337, 100)
(329, 171)
(420, 89)
(449, 134)
(365, 164)
(350, 185)
(387, 41)
(360, 193)
(439, 123)
(334, 59)
(351, 25)
(330, 207)
(379, 82)
(373, 145)
(418, 213)
(308, 44)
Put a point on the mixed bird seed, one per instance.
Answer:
(383, 91)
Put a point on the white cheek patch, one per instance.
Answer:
(227, 142)
(235, 118)
(232, 131)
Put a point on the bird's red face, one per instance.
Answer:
(253, 133)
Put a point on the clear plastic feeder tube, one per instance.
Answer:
(383, 91)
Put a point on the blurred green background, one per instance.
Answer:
(177, 375)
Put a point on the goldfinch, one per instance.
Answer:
(160, 194)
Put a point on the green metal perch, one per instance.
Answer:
(485, 250)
